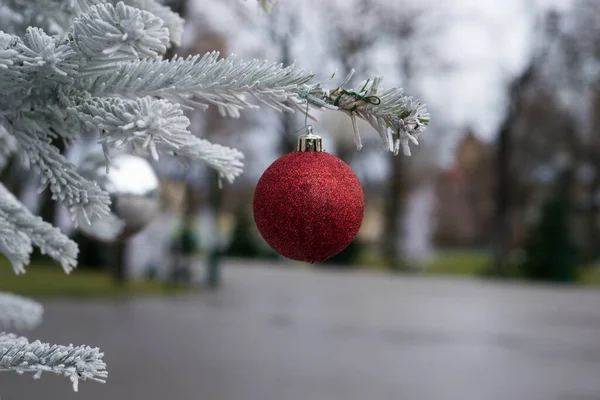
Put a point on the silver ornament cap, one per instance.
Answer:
(310, 141)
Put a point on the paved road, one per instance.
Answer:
(290, 334)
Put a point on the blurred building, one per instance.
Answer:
(464, 202)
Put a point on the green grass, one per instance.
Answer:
(45, 279)
(467, 262)
(590, 275)
(444, 262)
(458, 262)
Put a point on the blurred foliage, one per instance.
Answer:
(186, 241)
(458, 262)
(92, 254)
(474, 262)
(590, 275)
(347, 258)
(245, 241)
(465, 262)
(550, 250)
(46, 278)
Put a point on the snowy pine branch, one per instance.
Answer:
(171, 20)
(53, 16)
(231, 84)
(106, 74)
(201, 80)
(398, 119)
(14, 244)
(19, 312)
(84, 199)
(73, 66)
(21, 229)
(149, 126)
(57, 16)
(75, 362)
(8, 145)
(108, 36)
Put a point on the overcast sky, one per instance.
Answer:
(489, 43)
(485, 43)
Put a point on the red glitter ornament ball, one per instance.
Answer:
(308, 205)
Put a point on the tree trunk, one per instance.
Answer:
(393, 212)
(592, 252)
(213, 126)
(592, 230)
(394, 201)
(501, 235)
(213, 266)
(502, 229)
(288, 140)
(118, 266)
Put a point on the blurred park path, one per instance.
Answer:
(301, 334)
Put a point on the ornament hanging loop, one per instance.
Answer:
(310, 141)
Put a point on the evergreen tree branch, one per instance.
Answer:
(8, 145)
(57, 16)
(109, 35)
(108, 75)
(201, 80)
(172, 21)
(398, 119)
(19, 312)
(14, 244)
(53, 16)
(11, 80)
(7, 52)
(84, 199)
(22, 223)
(35, 68)
(152, 126)
(230, 84)
(74, 362)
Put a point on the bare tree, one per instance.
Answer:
(579, 46)
(382, 21)
(284, 41)
(517, 92)
(501, 236)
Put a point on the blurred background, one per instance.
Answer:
(474, 273)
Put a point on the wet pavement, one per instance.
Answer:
(298, 334)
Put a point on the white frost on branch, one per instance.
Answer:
(232, 84)
(20, 229)
(149, 126)
(198, 81)
(171, 20)
(8, 145)
(69, 66)
(106, 75)
(84, 199)
(19, 312)
(107, 36)
(14, 244)
(74, 362)
(57, 16)
(398, 119)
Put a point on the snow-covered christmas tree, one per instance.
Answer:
(69, 67)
